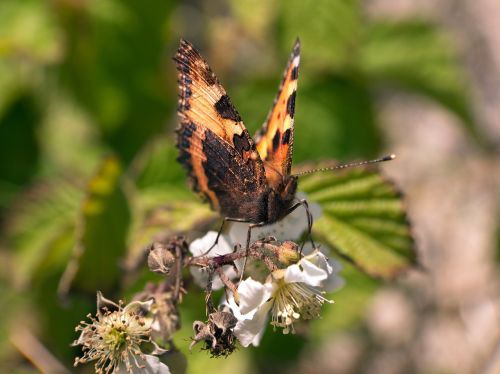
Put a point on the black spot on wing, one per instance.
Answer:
(276, 140)
(241, 143)
(226, 109)
(295, 73)
(286, 137)
(290, 104)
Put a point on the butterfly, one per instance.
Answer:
(243, 178)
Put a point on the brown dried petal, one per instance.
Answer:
(160, 259)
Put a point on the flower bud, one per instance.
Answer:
(160, 259)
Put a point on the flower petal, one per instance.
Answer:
(199, 246)
(250, 331)
(334, 281)
(320, 260)
(105, 305)
(253, 294)
(307, 273)
(139, 307)
(330, 265)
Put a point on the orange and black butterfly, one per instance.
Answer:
(244, 179)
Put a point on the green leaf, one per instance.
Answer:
(36, 226)
(363, 219)
(102, 232)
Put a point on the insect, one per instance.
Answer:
(245, 179)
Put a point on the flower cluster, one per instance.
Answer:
(294, 289)
(285, 284)
(287, 295)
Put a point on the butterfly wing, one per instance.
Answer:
(203, 100)
(214, 145)
(275, 139)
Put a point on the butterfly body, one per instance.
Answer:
(242, 178)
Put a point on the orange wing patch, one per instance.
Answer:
(191, 156)
(275, 139)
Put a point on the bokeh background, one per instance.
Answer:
(82, 79)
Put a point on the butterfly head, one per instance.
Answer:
(287, 190)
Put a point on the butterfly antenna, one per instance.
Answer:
(349, 165)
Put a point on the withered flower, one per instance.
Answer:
(217, 333)
(116, 336)
(164, 313)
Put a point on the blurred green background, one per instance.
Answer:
(87, 80)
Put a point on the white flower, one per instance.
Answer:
(290, 227)
(115, 337)
(200, 246)
(333, 267)
(289, 295)
(251, 320)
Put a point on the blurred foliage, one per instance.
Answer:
(88, 173)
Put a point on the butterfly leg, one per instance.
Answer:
(249, 236)
(304, 203)
(216, 238)
(247, 247)
(224, 220)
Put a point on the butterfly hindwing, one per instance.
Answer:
(275, 139)
(232, 185)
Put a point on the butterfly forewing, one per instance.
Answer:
(203, 100)
(275, 139)
(214, 145)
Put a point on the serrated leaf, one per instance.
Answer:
(44, 215)
(363, 219)
(102, 232)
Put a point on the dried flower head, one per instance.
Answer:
(162, 254)
(114, 337)
(160, 259)
(217, 333)
(164, 313)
